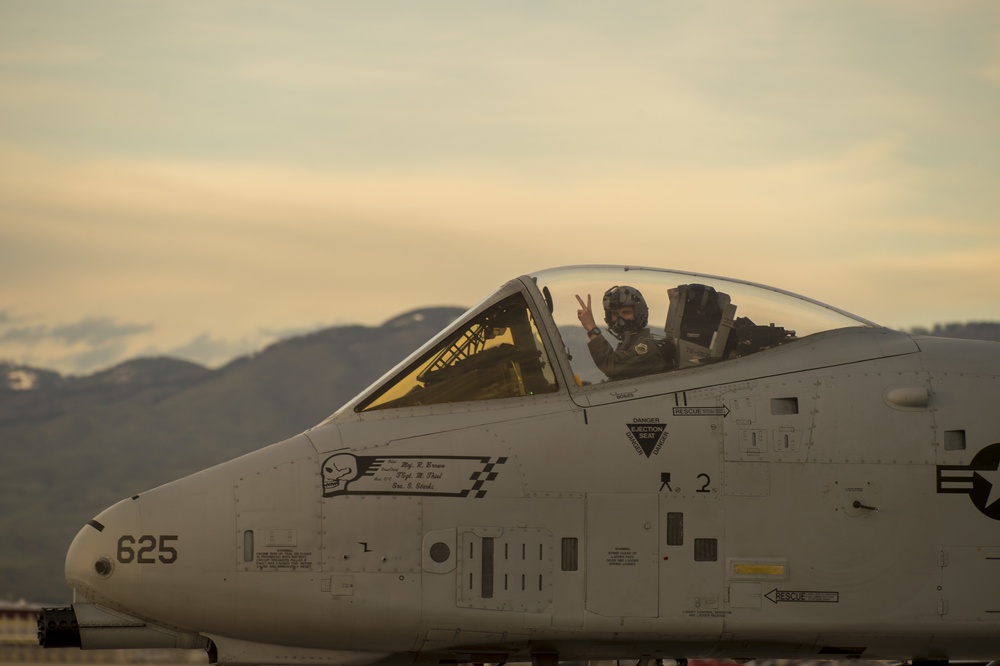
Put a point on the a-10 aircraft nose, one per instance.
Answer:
(92, 562)
(86, 564)
(105, 568)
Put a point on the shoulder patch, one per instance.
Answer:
(641, 348)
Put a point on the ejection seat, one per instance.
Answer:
(698, 325)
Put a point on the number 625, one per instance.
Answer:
(143, 549)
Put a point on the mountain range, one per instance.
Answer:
(71, 446)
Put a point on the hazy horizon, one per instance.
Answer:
(202, 179)
(213, 361)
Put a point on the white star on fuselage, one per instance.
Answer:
(991, 477)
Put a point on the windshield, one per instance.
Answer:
(671, 320)
(498, 353)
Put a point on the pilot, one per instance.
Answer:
(626, 315)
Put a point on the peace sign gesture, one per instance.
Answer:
(585, 313)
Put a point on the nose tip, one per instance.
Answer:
(91, 567)
(87, 563)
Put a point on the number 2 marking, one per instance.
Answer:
(708, 481)
(148, 545)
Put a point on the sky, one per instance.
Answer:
(200, 179)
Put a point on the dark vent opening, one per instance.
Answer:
(784, 406)
(954, 440)
(675, 529)
(570, 554)
(706, 550)
(487, 568)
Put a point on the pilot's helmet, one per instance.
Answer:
(617, 297)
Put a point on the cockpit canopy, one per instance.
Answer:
(508, 346)
(695, 319)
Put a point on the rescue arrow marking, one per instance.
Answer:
(791, 596)
(701, 411)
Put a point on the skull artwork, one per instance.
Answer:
(338, 470)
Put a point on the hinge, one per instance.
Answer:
(942, 607)
(943, 559)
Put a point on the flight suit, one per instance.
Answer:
(636, 355)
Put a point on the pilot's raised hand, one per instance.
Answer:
(585, 314)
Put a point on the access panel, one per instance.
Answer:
(622, 572)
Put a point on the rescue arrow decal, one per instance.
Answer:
(777, 596)
(702, 411)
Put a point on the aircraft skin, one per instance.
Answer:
(821, 495)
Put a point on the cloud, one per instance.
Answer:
(531, 87)
(242, 236)
(296, 331)
(95, 358)
(991, 72)
(212, 351)
(46, 54)
(96, 331)
(24, 334)
(79, 346)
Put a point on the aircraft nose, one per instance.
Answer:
(93, 561)
(103, 566)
